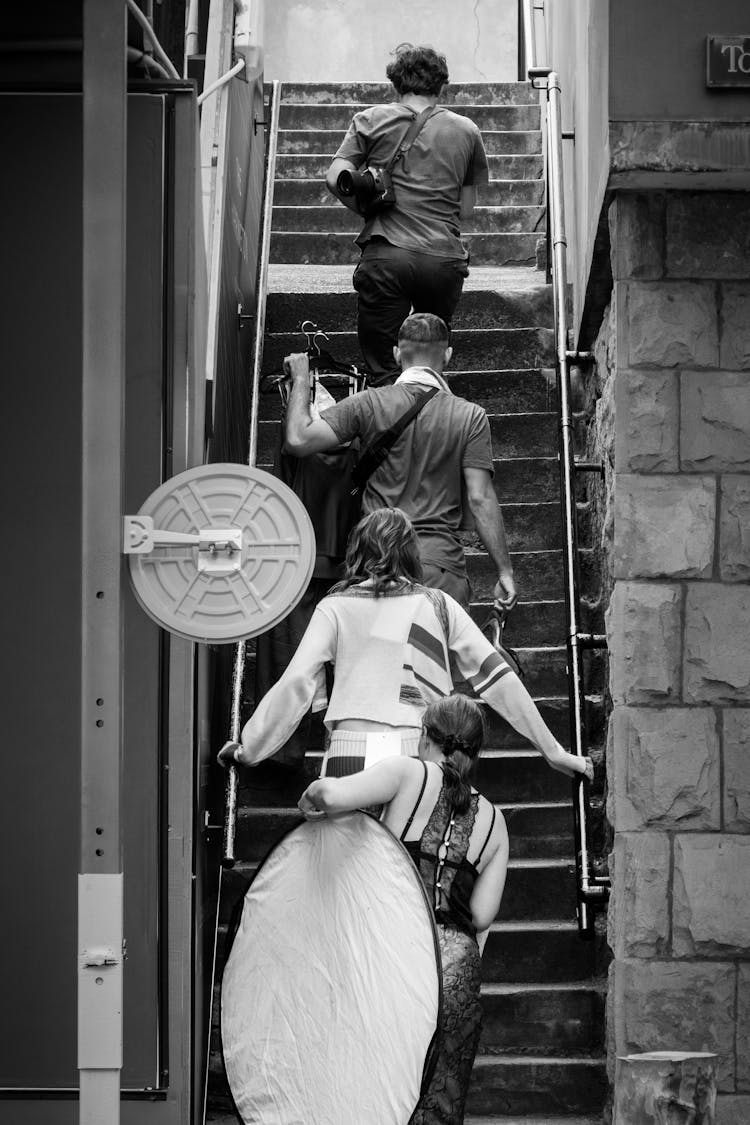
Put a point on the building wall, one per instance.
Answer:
(577, 48)
(658, 66)
(673, 422)
(327, 41)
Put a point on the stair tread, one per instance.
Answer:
(561, 925)
(510, 988)
(595, 1059)
(324, 278)
(502, 1119)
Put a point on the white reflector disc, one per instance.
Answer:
(331, 993)
(177, 587)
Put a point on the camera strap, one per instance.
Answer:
(375, 454)
(410, 136)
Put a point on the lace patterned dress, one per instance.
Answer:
(440, 855)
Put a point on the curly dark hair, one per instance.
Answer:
(417, 70)
(382, 547)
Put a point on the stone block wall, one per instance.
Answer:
(672, 422)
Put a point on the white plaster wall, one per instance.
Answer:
(351, 40)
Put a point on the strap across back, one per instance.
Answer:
(408, 824)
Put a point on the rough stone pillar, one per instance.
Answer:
(666, 1088)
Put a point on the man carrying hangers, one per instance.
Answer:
(438, 469)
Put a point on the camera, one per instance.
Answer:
(372, 189)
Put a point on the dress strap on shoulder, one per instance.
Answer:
(408, 824)
(487, 837)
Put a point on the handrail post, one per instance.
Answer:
(590, 889)
(232, 783)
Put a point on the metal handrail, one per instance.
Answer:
(232, 784)
(592, 889)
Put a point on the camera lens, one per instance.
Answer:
(345, 182)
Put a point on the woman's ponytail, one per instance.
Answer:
(456, 725)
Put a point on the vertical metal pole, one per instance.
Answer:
(230, 795)
(100, 928)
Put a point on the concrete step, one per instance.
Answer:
(333, 248)
(519, 166)
(513, 435)
(220, 1112)
(525, 390)
(537, 573)
(540, 953)
(536, 889)
(531, 623)
(486, 220)
(506, 776)
(554, 710)
(532, 526)
(548, 952)
(517, 774)
(524, 435)
(473, 349)
(520, 777)
(370, 93)
(562, 1019)
(338, 115)
(504, 1119)
(522, 1019)
(514, 1083)
(498, 193)
(529, 479)
(326, 142)
(540, 1085)
(541, 831)
(337, 312)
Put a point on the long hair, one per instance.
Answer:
(382, 547)
(417, 70)
(456, 725)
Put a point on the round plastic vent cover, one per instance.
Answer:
(220, 553)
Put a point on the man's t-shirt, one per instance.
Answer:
(447, 155)
(422, 473)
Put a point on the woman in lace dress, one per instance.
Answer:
(459, 844)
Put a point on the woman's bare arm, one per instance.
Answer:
(488, 889)
(376, 785)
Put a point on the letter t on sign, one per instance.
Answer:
(727, 60)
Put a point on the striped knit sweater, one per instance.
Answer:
(391, 656)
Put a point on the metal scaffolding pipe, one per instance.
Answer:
(230, 796)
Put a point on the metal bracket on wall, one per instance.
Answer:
(589, 467)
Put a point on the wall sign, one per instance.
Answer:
(728, 60)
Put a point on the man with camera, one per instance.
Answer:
(438, 466)
(411, 169)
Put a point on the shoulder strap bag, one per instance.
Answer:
(384, 193)
(376, 453)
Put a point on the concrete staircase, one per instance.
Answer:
(540, 1059)
(310, 226)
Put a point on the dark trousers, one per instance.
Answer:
(390, 282)
(457, 585)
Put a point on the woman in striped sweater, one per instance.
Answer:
(391, 641)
